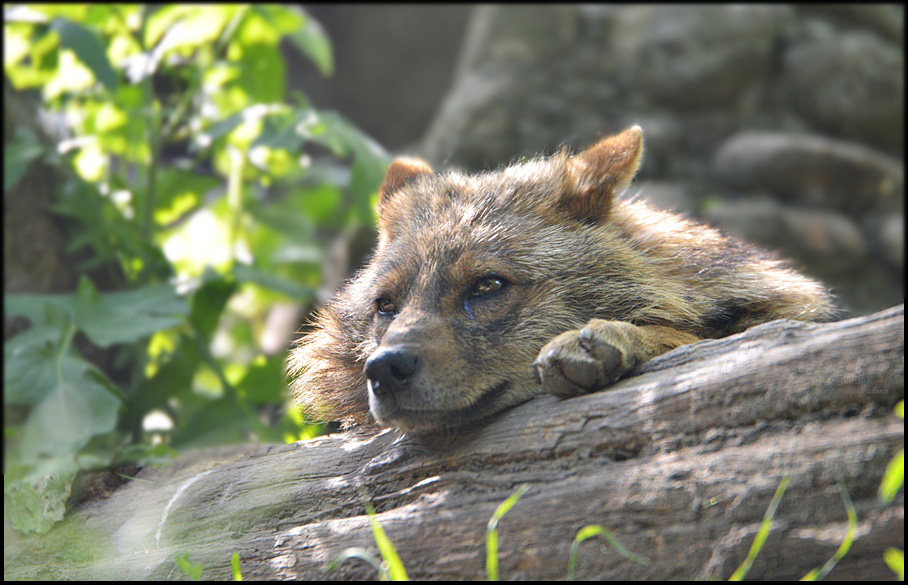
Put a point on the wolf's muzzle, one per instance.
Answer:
(390, 370)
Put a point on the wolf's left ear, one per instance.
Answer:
(402, 170)
(602, 171)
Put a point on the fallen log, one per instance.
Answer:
(679, 463)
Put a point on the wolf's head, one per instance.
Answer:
(471, 276)
(474, 274)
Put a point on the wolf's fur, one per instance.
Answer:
(489, 289)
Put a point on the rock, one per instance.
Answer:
(732, 99)
(810, 171)
(663, 195)
(827, 241)
(886, 19)
(891, 239)
(847, 86)
(473, 123)
(696, 57)
(500, 39)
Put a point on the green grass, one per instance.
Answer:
(492, 532)
(821, 572)
(390, 566)
(762, 534)
(599, 530)
(235, 567)
(766, 526)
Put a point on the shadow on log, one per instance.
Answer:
(679, 463)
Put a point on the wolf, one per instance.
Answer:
(486, 290)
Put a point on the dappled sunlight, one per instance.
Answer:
(200, 242)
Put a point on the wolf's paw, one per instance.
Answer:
(585, 360)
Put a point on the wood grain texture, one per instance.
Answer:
(679, 462)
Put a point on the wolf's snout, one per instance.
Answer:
(390, 369)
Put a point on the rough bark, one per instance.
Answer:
(679, 463)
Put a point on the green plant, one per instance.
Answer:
(762, 533)
(390, 568)
(200, 197)
(192, 570)
(235, 567)
(766, 526)
(599, 530)
(492, 532)
(893, 480)
(820, 572)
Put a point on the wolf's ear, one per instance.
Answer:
(597, 174)
(402, 170)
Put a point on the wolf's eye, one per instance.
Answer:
(487, 285)
(386, 306)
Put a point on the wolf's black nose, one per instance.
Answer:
(389, 369)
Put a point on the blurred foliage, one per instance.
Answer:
(204, 196)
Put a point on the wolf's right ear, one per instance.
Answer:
(598, 174)
(402, 170)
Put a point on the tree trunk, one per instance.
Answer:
(679, 463)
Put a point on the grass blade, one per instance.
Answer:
(599, 530)
(492, 532)
(829, 565)
(762, 534)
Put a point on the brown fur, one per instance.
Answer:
(485, 290)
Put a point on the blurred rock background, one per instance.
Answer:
(783, 125)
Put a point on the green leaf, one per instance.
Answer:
(208, 303)
(264, 381)
(313, 42)
(30, 374)
(18, 154)
(172, 380)
(279, 132)
(895, 560)
(38, 308)
(73, 12)
(75, 410)
(262, 73)
(306, 34)
(35, 505)
(216, 422)
(180, 192)
(33, 356)
(225, 126)
(370, 161)
(286, 217)
(271, 281)
(194, 571)
(88, 49)
(189, 26)
(164, 18)
(124, 317)
(100, 15)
